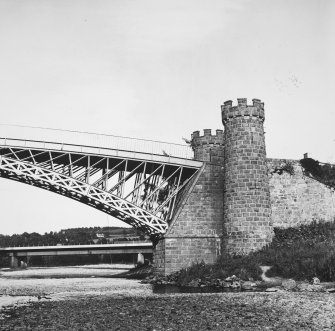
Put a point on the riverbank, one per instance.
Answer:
(108, 303)
(227, 311)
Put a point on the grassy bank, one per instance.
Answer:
(300, 253)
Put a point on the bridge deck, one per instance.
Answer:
(99, 151)
(122, 248)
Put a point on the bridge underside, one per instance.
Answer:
(141, 192)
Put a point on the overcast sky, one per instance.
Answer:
(160, 70)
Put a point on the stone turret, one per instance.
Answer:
(208, 148)
(195, 232)
(247, 209)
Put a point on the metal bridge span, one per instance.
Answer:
(137, 181)
(121, 248)
(111, 249)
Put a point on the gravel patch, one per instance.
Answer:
(228, 311)
(95, 303)
(17, 290)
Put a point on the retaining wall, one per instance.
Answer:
(296, 198)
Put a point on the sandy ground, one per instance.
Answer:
(101, 303)
(18, 287)
(98, 270)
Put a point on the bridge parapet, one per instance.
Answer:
(102, 141)
(102, 151)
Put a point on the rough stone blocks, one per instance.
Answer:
(238, 195)
(247, 209)
(196, 229)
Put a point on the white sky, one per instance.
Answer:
(160, 70)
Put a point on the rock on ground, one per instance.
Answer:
(225, 311)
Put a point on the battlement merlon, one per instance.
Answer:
(208, 137)
(229, 111)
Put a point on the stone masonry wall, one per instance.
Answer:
(159, 257)
(209, 148)
(298, 199)
(247, 207)
(238, 195)
(195, 232)
(295, 199)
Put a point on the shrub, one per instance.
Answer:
(287, 166)
(244, 267)
(301, 253)
(324, 173)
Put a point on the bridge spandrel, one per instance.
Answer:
(137, 190)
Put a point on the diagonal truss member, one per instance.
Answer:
(142, 193)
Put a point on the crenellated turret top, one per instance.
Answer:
(229, 111)
(207, 138)
(209, 147)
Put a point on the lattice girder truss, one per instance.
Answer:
(141, 193)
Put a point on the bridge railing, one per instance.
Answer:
(44, 247)
(94, 140)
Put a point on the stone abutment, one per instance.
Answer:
(238, 195)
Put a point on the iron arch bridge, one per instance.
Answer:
(142, 189)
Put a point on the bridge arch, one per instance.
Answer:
(140, 192)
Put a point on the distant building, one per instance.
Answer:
(100, 235)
